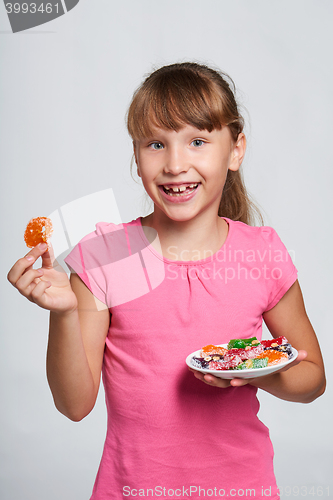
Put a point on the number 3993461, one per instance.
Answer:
(304, 491)
(31, 8)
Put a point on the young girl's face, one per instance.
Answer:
(184, 172)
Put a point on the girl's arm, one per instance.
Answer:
(78, 328)
(75, 353)
(301, 381)
(304, 381)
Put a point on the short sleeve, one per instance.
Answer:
(114, 264)
(84, 261)
(90, 256)
(281, 272)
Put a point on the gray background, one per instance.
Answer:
(65, 88)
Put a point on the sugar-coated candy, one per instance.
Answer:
(199, 362)
(274, 342)
(216, 365)
(38, 230)
(274, 357)
(225, 365)
(283, 348)
(242, 343)
(252, 364)
(210, 349)
(244, 354)
(247, 353)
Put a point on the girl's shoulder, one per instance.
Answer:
(104, 228)
(262, 235)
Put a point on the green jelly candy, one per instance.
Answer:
(251, 341)
(242, 343)
(253, 363)
(260, 363)
(242, 366)
(236, 344)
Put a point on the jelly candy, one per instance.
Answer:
(274, 357)
(283, 348)
(244, 354)
(38, 231)
(274, 342)
(232, 362)
(252, 364)
(216, 365)
(242, 343)
(247, 353)
(210, 349)
(199, 362)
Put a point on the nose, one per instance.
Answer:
(176, 161)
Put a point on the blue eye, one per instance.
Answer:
(197, 142)
(156, 145)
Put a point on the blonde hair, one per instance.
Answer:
(194, 94)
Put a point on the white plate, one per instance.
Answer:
(246, 373)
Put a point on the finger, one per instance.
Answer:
(300, 357)
(37, 251)
(24, 283)
(24, 264)
(216, 381)
(210, 379)
(239, 382)
(302, 354)
(39, 291)
(48, 257)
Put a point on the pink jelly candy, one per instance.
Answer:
(231, 362)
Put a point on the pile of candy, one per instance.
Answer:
(242, 354)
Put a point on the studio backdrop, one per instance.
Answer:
(68, 72)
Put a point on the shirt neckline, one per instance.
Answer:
(185, 262)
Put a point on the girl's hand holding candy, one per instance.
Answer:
(48, 286)
(239, 382)
(303, 380)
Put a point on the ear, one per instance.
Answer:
(238, 152)
(136, 159)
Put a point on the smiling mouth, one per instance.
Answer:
(180, 190)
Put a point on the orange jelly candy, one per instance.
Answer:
(210, 349)
(38, 231)
(274, 357)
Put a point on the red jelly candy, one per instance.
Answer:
(274, 342)
(232, 362)
(254, 351)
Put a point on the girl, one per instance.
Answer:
(144, 294)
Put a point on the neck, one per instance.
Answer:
(194, 239)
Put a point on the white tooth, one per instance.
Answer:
(192, 185)
(183, 188)
(175, 190)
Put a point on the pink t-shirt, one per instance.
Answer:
(169, 434)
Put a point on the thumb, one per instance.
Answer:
(300, 357)
(48, 257)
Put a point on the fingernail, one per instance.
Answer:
(42, 246)
(29, 257)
